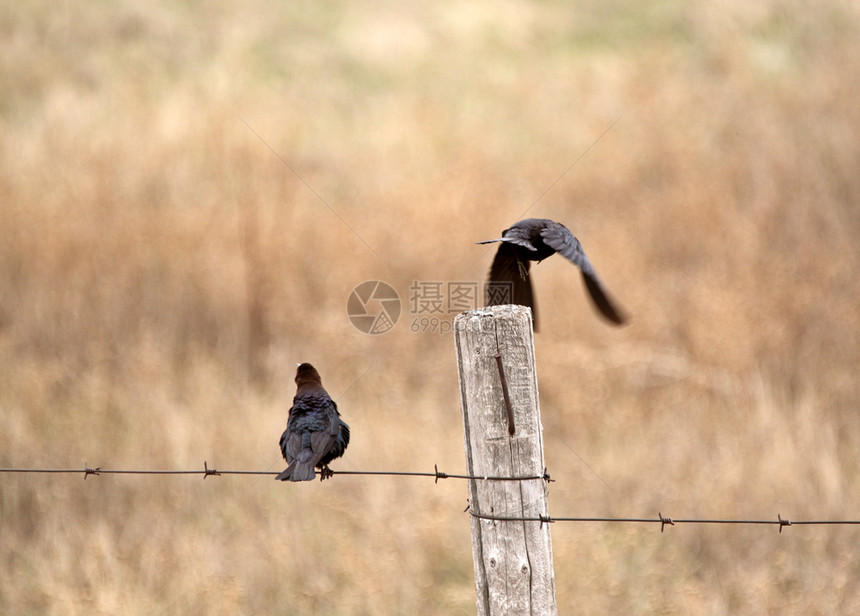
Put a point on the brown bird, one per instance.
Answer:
(535, 239)
(315, 433)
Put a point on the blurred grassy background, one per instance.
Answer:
(190, 193)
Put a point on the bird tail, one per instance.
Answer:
(300, 469)
(510, 282)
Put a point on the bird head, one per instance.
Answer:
(307, 375)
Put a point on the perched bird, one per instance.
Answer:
(535, 239)
(315, 433)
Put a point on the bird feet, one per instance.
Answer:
(524, 273)
(325, 472)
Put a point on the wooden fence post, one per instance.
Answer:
(513, 559)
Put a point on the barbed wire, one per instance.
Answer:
(87, 470)
(662, 520)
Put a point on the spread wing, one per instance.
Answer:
(559, 238)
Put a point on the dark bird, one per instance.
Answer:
(535, 239)
(315, 433)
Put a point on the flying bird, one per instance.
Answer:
(315, 433)
(535, 239)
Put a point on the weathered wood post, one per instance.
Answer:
(513, 559)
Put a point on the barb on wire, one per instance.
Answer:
(209, 471)
(90, 471)
(664, 521)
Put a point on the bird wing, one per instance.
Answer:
(344, 433)
(559, 238)
(291, 445)
(519, 236)
(315, 414)
(510, 282)
(321, 443)
(324, 432)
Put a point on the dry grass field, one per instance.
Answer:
(188, 194)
